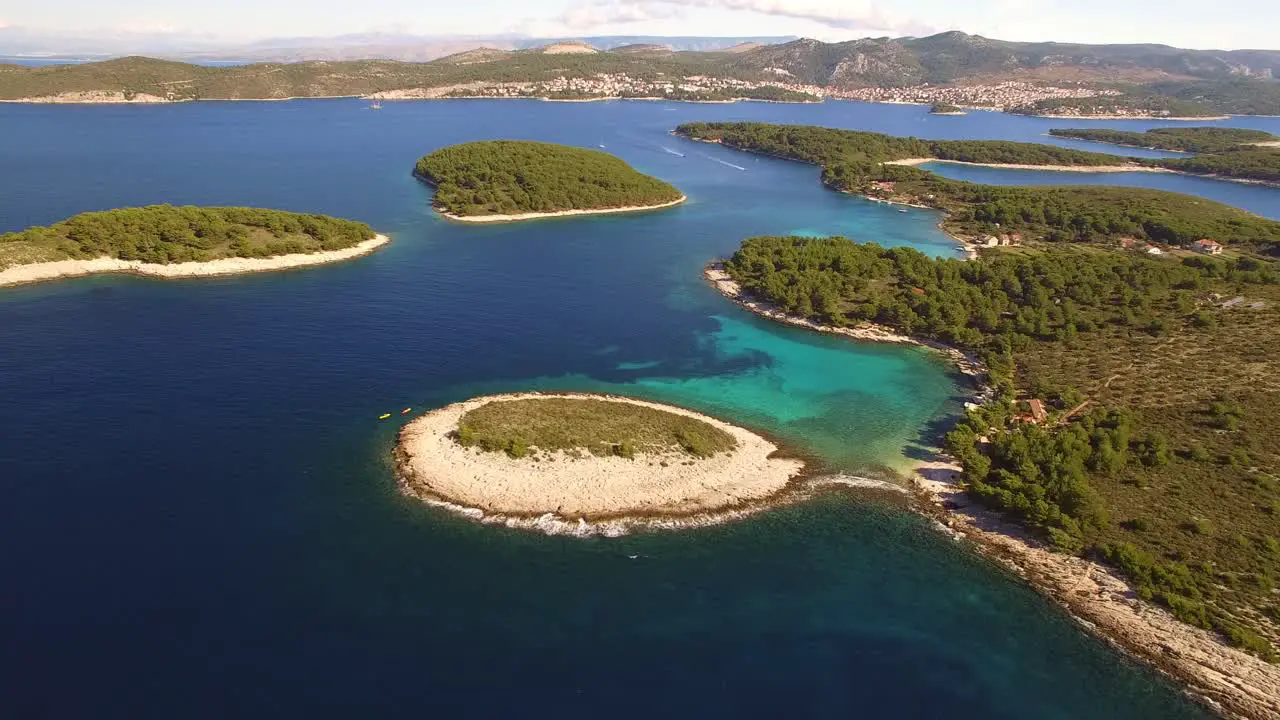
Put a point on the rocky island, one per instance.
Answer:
(510, 180)
(175, 242)
(586, 457)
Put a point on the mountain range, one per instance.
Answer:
(1236, 81)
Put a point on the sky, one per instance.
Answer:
(1225, 24)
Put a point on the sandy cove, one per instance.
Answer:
(58, 269)
(434, 467)
(562, 213)
(1230, 681)
(716, 275)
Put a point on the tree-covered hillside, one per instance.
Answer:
(1158, 455)
(855, 162)
(1152, 79)
(505, 177)
(167, 234)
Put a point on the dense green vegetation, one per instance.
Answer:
(942, 108)
(1170, 472)
(1191, 139)
(601, 427)
(182, 81)
(1139, 103)
(168, 234)
(502, 177)
(855, 162)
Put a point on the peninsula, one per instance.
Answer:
(881, 167)
(1096, 462)
(588, 457)
(176, 242)
(511, 180)
(1190, 140)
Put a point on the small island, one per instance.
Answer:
(941, 108)
(510, 180)
(586, 457)
(174, 242)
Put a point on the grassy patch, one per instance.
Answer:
(601, 427)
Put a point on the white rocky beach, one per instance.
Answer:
(436, 467)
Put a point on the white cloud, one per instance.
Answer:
(146, 27)
(5, 23)
(847, 16)
(599, 14)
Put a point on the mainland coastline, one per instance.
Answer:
(1229, 681)
(64, 269)
(572, 486)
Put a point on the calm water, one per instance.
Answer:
(195, 497)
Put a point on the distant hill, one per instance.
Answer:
(643, 49)
(1185, 82)
(956, 56)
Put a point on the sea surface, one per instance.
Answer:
(197, 505)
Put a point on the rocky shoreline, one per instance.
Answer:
(577, 488)
(1228, 681)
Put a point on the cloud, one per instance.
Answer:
(146, 27)
(843, 15)
(598, 14)
(5, 23)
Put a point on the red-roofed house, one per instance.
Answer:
(1207, 246)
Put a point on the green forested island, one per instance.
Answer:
(1245, 163)
(1190, 139)
(500, 178)
(942, 108)
(164, 234)
(1226, 152)
(856, 162)
(1162, 387)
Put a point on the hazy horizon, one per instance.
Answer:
(80, 25)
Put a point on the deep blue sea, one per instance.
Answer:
(197, 508)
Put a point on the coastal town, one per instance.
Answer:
(1000, 96)
(619, 85)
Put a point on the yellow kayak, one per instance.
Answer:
(384, 416)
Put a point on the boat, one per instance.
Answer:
(384, 416)
(375, 105)
(405, 411)
(902, 210)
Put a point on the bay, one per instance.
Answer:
(197, 501)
